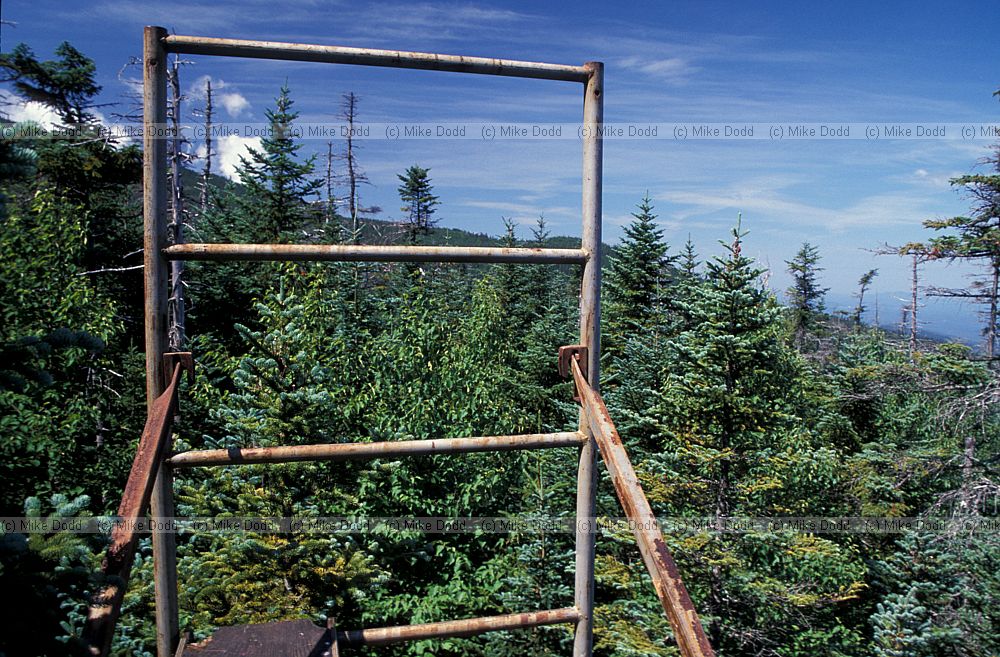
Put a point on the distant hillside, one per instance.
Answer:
(940, 319)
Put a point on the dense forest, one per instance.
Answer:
(730, 404)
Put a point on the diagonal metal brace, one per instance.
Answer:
(173, 358)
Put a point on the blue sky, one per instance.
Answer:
(681, 61)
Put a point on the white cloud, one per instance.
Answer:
(17, 110)
(234, 103)
(228, 150)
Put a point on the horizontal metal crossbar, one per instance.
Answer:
(467, 627)
(361, 451)
(303, 52)
(367, 253)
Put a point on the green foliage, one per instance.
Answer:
(715, 427)
(50, 574)
(55, 324)
(721, 415)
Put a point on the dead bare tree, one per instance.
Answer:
(909, 322)
(331, 200)
(354, 175)
(175, 228)
(206, 170)
(913, 304)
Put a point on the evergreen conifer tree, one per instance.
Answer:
(278, 186)
(636, 276)
(734, 445)
(415, 191)
(805, 296)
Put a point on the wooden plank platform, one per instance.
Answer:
(297, 638)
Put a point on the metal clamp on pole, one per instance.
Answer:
(174, 358)
(566, 356)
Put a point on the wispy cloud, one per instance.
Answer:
(778, 207)
(197, 17)
(670, 69)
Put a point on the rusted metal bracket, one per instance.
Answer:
(566, 355)
(182, 358)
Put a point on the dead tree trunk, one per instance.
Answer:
(331, 203)
(913, 307)
(206, 170)
(354, 175)
(991, 327)
(175, 331)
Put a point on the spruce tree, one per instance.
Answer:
(278, 186)
(636, 276)
(415, 191)
(805, 296)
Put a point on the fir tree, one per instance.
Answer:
(687, 287)
(734, 445)
(942, 600)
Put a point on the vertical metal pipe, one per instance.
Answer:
(590, 336)
(154, 210)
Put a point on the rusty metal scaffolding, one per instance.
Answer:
(151, 480)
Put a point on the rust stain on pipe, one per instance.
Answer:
(105, 603)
